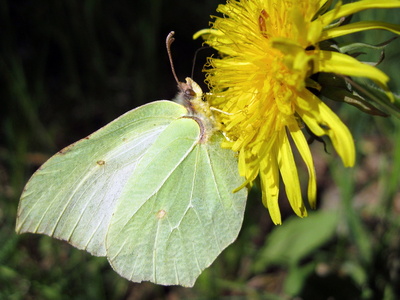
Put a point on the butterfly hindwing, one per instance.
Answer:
(184, 224)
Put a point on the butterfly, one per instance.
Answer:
(152, 191)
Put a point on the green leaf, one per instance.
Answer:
(360, 47)
(343, 95)
(356, 92)
(296, 277)
(296, 239)
(377, 95)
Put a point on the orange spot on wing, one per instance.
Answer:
(161, 214)
(101, 162)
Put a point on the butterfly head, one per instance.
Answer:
(189, 94)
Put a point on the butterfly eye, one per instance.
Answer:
(190, 93)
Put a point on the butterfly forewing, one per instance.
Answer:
(72, 196)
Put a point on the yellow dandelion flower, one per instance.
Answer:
(260, 87)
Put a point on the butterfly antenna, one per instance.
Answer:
(195, 58)
(170, 39)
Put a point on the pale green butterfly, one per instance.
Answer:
(152, 191)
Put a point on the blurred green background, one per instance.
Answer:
(68, 67)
